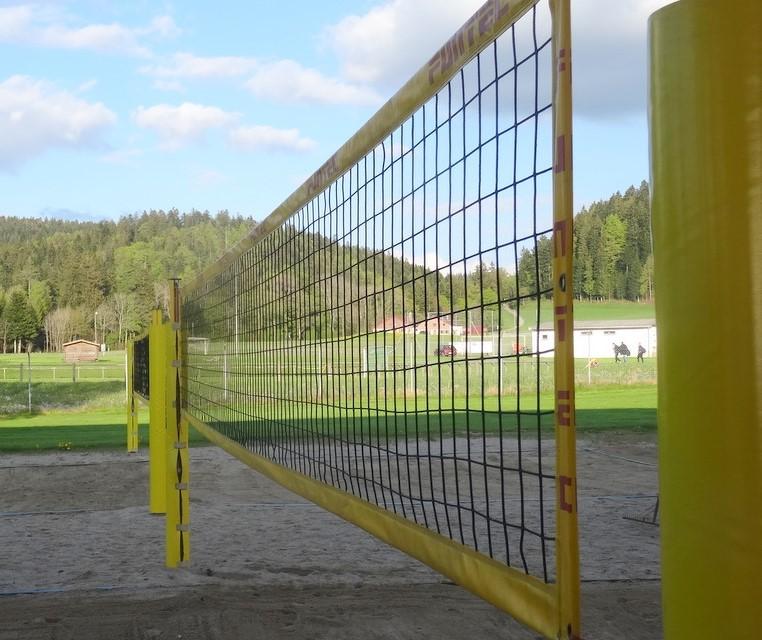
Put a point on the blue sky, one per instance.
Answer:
(109, 108)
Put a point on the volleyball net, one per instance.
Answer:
(367, 344)
(141, 367)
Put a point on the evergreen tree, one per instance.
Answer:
(21, 325)
(613, 236)
(41, 299)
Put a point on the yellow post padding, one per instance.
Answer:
(706, 169)
(157, 382)
(567, 543)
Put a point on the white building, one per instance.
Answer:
(596, 338)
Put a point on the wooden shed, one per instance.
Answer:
(81, 351)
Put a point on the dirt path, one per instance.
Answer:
(80, 557)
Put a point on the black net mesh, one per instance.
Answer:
(379, 341)
(140, 367)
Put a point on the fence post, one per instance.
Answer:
(177, 533)
(157, 382)
(29, 379)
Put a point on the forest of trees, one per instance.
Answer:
(612, 248)
(59, 278)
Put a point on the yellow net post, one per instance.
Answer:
(706, 169)
(157, 376)
(177, 532)
(567, 545)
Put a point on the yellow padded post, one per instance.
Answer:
(157, 381)
(706, 170)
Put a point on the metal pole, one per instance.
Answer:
(29, 383)
(235, 297)
(225, 372)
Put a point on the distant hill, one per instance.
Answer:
(56, 275)
(119, 269)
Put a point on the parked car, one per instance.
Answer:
(446, 350)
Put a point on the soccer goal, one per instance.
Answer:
(349, 347)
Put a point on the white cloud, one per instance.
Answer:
(112, 38)
(270, 139)
(163, 26)
(386, 45)
(392, 41)
(281, 81)
(35, 116)
(36, 26)
(288, 81)
(609, 43)
(187, 65)
(14, 20)
(179, 125)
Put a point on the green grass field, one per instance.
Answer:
(91, 412)
(72, 429)
(586, 310)
(64, 415)
(51, 367)
(49, 359)
(611, 407)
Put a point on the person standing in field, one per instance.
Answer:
(641, 352)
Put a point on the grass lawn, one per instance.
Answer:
(50, 367)
(50, 359)
(92, 414)
(626, 407)
(64, 415)
(50, 397)
(586, 310)
(72, 430)
(609, 407)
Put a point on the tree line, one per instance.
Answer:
(612, 248)
(61, 280)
